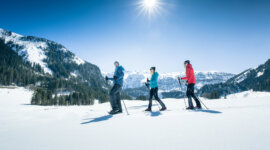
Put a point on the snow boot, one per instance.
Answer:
(113, 112)
(148, 109)
(198, 107)
(162, 109)
(190, 108)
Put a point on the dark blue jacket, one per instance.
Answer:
(119, 76)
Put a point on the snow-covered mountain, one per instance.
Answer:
(51, 67)
(255, 73)
(134, 81)
(34, 49)
(257, 79)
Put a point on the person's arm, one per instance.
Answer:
(184, 78)
(187, 75)
(107, 78)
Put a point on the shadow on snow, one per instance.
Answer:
(208, 111)
(155, 113)
(98, 119)
(141, 106)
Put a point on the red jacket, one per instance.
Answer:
(190, 77)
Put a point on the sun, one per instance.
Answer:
(149, 7)
(149, 4)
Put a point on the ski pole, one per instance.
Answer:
(125, 107)
(184, 94)
(203, 104)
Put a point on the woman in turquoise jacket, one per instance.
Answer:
(153, 82)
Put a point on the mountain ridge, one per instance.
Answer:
(257, 79)
(54, 70)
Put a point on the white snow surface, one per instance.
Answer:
(240, 122)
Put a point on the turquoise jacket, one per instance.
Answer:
(154, 80)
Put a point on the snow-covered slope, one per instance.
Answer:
(33, 49)
(51, 68)
(254, 73)
(257, 79)
(237, 123)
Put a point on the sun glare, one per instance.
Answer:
(149, 7)
(149, 3)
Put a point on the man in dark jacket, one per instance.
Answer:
(191, 81)
(117, 79)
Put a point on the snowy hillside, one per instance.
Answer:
(50, 69)
(257, 72)
(239, 122)
(257, 79)
(33, 49)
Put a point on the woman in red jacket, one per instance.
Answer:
(191, 81)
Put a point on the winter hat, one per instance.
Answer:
(116, 62)
(187, 62)
(153, 68)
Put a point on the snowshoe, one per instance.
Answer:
(113, 112)
(162, 109)
(197, 107)
(190, 108)
(148, 109)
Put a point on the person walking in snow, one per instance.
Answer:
(191, 81)
(153, 82)
(117, 79)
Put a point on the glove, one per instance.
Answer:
(114, 77)
(147, 80)
(147, 85)
(179, 78)
(106, 78)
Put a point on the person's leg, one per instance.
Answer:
(112, 98)
(150, 99)
(198, 104)
(189, 96)
(158, 99)
(118, 98)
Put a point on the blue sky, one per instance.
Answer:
(222, 35)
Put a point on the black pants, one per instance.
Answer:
(190, 95)
(115, 99)
(154, 92)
